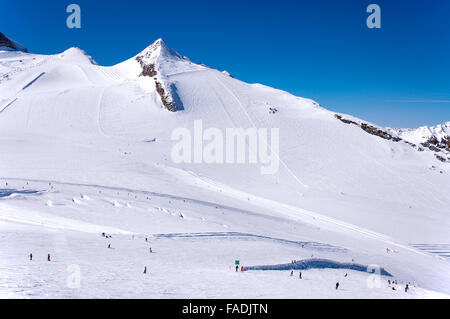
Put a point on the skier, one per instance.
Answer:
(151, 251)
(145, 269)
(300, 275)
(48, 257)
(242, 268)
(146, 240)
(31, 256)
(406, 288)
(109, 245)
(337, 286)
(389, 282)
(346, 275)
(292, 273)
(237, 268)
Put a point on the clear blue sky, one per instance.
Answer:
(397, 76)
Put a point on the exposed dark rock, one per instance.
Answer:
(149, 70)
(8, 43)
(377, 132)
(345, 120)
(433, 144)
(441, 158)
(168, 105)
(446, 142)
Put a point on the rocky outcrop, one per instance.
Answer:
(147, 69)
(437, 145)
(150, 71)
(433, 144)
(5, 42)
(369, 129)
(169, 105)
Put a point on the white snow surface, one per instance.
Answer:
(76, 160)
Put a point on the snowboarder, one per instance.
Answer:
(237, 268)
(337, 286)
(31, 256)
(406, 288)
(300, 275)
(48, 257)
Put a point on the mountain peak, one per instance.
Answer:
(159, 50)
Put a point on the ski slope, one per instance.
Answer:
(86, 149)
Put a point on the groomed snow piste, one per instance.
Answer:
(86, 150)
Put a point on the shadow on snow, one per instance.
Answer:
(318, 264)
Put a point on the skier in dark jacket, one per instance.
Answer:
(31, 256)
(145, 269)
(300, 275)
(337, 286)
(48, 257)
(237, 268)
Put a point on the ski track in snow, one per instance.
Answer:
(296, 213)
(304, 244)
(284, 209)
(442, 250)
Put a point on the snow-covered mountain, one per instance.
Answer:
(87, 149)
(437, 137)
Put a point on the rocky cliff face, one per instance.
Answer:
(6, 43)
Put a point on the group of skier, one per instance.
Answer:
(31, 257)
(299, 275)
